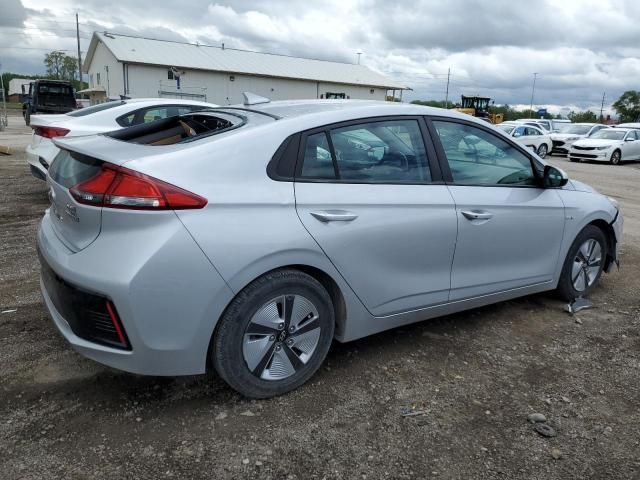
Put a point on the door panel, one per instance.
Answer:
(364, 193)
(509, 230)
(517, 246)
(396, 254)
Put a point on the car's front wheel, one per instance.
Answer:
(542, 150)
(616, 158)
(274, 335)
(584, 263)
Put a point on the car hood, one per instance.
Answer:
(564, 136)
(596, 142)
(581, 187)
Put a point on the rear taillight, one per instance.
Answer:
(50, 132)
(119, 187)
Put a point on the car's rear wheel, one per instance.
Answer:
(274, 335)
(542, 150)
(616, 158)
(584, 263)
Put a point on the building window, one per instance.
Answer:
(170, 74)
(232, 78)
(91, 80)
(335, 95)
(372, 91)
(98, 78)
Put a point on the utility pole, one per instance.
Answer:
(446, 98)
(79, 56)
(602, 108)
(533, 89)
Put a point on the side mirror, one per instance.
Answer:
(554, 177)
(517, 134)
(629, 139)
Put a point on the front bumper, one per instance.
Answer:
(595, 155)
(167, 295)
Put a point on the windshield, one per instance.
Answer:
(575, 129)
(96, 108)
(610, 134)
(506, 128)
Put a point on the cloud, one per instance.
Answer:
(579, 48)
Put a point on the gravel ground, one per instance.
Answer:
(470, 379)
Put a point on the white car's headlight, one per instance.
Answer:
(613, 201)
(603, 148)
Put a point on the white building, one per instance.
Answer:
(142, 67)
(15, 88)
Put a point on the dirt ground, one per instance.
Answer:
(476, 376)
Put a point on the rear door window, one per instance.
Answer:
(389, 151)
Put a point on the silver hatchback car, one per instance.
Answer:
(246, 238)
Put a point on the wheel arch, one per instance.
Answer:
(610, 235)
(320, 275)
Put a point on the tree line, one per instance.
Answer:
(627, 107)
(58, 66)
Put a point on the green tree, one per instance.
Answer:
(61, 66)
(628, 106)
(587, 117)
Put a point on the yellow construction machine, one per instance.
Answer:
(479, 107)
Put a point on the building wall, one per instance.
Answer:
(106, 71)
(224, 88)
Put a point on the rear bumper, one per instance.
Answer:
(40, 157)
(167, 294)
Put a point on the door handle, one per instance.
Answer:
(475, 215)
(334, 216)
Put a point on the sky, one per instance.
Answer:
(580, 49)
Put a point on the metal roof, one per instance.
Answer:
(166, 53)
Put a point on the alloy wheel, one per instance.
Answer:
(542, 151)
(615, 158)
(586, 265)
(281, 337)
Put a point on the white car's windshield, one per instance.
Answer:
(575, 129)
(610, 134)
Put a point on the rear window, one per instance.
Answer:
(52, 89)
(70, 168)
(94, 109)
(180, 129)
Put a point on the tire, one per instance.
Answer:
(254, 363)
(542, 150)
(576, 265)
(616, 158)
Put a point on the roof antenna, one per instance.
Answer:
(253, 99)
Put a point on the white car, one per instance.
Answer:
(104, 117)
(614, 145)
(542, 123)
(629, 125)
(529, 136)
(571, 132)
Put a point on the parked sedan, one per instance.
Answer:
(613, 145)
(529, 136)
(571, 132)
(246, 239)
(103, 117)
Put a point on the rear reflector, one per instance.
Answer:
(119, 187)
(50, 132)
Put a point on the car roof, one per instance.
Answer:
(304, 108)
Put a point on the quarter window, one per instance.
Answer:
(477, 157)
(377, 152)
